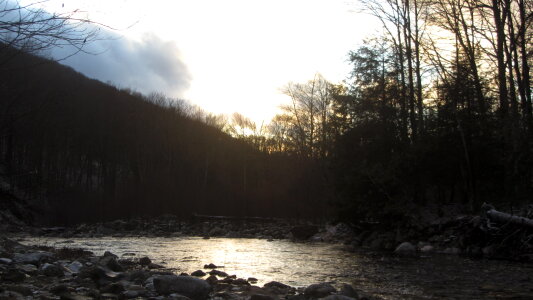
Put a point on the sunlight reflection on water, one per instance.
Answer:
(301, 264)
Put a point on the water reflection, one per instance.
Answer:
(301, 264)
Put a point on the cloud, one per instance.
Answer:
(146, 65)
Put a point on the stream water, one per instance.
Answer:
(301, 264)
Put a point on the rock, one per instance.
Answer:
(405, 248)
(304, 232)
(24, 290)
(191, 287)
(349, 291)
(145, 261)
(104, 230)
(155, 266)
(488, 250)
(130, 294)
(74, 267)
(99, 274)
(276, 284)
(138, 276)
(110, 261)
(28, 269)
(112, 288)
(58, 289)
(319, 290)
(13, 275)
(178, 297)
(240, 281)
(35, 258)
(5, 261)
(212, 266)
(218, 273)
(376, 244)
(427, 249)
(217, 231)
(51, 270)
(77, 297)
(452, 250)
(212, 280)
(252, 279)
(9, 295)
(261, 297)
(109, 253)
(297, 297)
(198, 273)
(338, 297)
(109, 296)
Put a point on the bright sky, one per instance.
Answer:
(241, 52)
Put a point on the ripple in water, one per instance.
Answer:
(301, 264)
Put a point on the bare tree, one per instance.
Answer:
(32, 29)
(310, 109)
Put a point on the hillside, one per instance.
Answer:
(84, 150)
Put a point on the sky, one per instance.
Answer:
(225, 56)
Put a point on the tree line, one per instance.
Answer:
(437, 110)
(84, 150)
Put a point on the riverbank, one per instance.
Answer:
(37, 272)
(471, 235)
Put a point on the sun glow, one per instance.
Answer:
(240, 53)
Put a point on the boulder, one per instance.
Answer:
(427, 249)
(276, 284)
(191, 287)
(211, 266)
(218, 273)
(304, 232)
(405, 248)
(51, 270)
(212, 280)
(217, 231)
(5, 261)
(262, 297)
(28, 269)
(74, 267)
(13, 275)
(25, 290)
(319, 290)
(110, 261)
(58, 289)
(112, 288)
(177, 297)
(145, 261)
(198, 273)
(240, 281)
(349, 291)
(452, 250)
(34, 258)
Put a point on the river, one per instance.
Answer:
(300, 264)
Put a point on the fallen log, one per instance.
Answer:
(500, 217)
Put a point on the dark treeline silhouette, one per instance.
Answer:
(436, 112)
(88, 151)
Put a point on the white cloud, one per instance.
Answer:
(148, 64)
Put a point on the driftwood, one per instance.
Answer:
(500, 217)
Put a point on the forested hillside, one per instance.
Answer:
(83, 150)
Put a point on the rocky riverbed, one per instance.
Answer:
(470, 235)
(30, 272)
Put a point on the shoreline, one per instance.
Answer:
(68, 273)
(467, 235)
